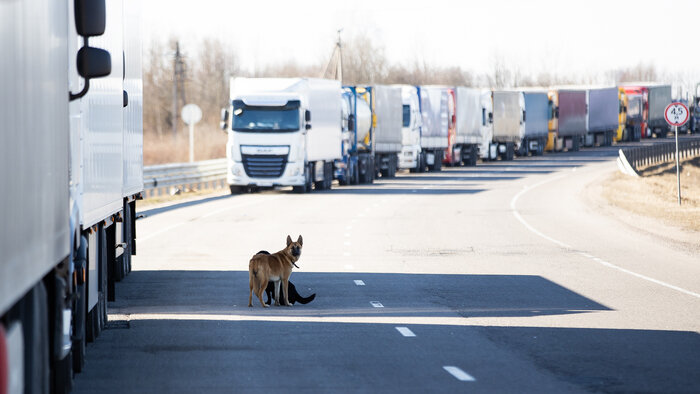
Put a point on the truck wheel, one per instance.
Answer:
(237, 189)
(575, 143)
(78, 349)
(510, 151)
(524, 148)
(35, 329)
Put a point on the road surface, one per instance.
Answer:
(497, 278)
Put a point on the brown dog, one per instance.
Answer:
(276, 267)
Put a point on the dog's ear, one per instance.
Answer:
(289, 240)
(300, 241)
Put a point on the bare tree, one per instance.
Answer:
(363, 61)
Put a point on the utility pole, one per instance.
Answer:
(178, 86)
(334, 68)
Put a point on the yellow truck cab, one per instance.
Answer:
(553, 119)
(623, 114)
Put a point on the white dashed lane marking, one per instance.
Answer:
(459, 374)
(376, 304)
(359, 283)
(405, 331)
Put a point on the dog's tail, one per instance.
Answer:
(306, 300)
(255, 272)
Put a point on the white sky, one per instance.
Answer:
(565, 37)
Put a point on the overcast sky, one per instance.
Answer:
(566, 37)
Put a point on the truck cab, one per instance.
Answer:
(266, 145)
(553, 124)
(622, 114)
(271, 141)
(410, 156)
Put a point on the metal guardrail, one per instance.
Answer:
(169, 178)
(634, 158)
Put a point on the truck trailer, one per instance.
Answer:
(387, 109)
(660, 96)
(572, 118)
(508, 122)
(434, 109)
(468, 133)
(537, 110)
(603, 116)
(357, 163)
(371, 141)
(73, 164)
(272, 140)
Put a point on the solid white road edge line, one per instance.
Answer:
(584, 254)
(405, 331)
(458, 373)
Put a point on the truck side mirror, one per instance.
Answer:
(556, 113)
(308, 126)
(224, 119)
(490, 117)
(90, 17)
(351, 122)
(93, 62)
(524, 117)
(125, 98)
(90, 21)
(307, 115)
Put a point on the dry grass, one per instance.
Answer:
(654, 194)
(209, 143)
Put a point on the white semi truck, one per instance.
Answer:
(71, 168)
(282, 132)
(411, 157)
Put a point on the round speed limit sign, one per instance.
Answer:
(676, 114)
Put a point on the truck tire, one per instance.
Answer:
(575, 143)
(35, 327)
(524, 148)
(237, 189)
(510, 151)
(79, 320)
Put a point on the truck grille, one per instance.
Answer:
(264, 166)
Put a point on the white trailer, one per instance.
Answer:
(388, 112)
(471, 120)
(272, 139)
(508, 122)
(434, 102)
(63, 235)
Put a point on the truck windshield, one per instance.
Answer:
(265, 118)
(406, 115)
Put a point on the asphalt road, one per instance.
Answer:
(499, 278)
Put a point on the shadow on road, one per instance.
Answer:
(208, 338)
(404, 295)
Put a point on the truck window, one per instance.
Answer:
(265, 118)
(406, 115)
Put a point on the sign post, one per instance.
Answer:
(191, 114)
(677, 114)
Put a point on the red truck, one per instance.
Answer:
(637, 113)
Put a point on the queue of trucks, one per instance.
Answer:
(71, 169)
(306, 132)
